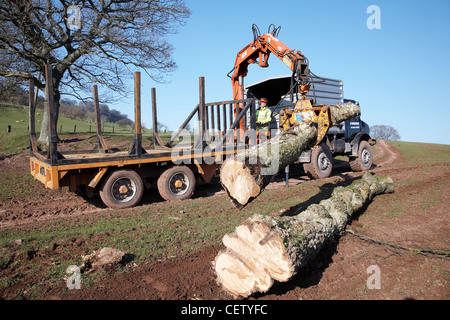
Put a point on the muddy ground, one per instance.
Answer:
(415, 216)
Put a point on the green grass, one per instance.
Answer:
(161, 230)
(13, 142)
(18, 139)
(16, 186)
(156, 231)
(422, 153)
(18, 118)
(149, 233)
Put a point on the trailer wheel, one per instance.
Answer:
(364, 160)
(122, 189)
(321, 163)
(176, 183)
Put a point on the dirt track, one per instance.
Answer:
(48, 204)
(340, 271)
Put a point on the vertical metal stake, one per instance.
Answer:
(155, 119)
(286, 170)
(137, 113)
(52, 153)
(101, 144)
(202, 111)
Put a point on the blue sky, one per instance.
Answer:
(399, 73)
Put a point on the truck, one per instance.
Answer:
(299, 94)
(120, 176)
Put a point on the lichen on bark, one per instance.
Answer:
(280, 246)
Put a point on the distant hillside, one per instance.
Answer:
(17, 118)
(72, 109)
(86, 110)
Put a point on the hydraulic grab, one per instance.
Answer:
(353, 141)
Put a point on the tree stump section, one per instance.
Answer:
(265, 249)
(247, 174)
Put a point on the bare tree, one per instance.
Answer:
(111, 38)
(384, 132)
(10, 89)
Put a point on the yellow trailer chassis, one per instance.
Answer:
(121, 175)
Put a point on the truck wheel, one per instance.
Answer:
(321, 163)
(364, 160)
(176, 183)
(122, 189)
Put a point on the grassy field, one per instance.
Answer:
(154, 230)
(17, 118)
(422, 153)
(67, 128)
(161, 229)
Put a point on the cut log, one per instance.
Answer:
(247, 174)
(265, 248)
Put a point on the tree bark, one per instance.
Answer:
(264, 248)
(246, 175)
(45, 133)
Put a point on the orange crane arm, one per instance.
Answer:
(258, 51)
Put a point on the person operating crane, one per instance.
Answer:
(263, 117)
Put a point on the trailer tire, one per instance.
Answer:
(122, 189)
(364, 160)
(176, 183)
(321, 163)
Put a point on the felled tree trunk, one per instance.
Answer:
(265, 248)
(246, 175)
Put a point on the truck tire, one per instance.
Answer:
(321, 163)
(364, 160)
(122, 189)
(176, 183)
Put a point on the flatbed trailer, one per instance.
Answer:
(120, 176)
